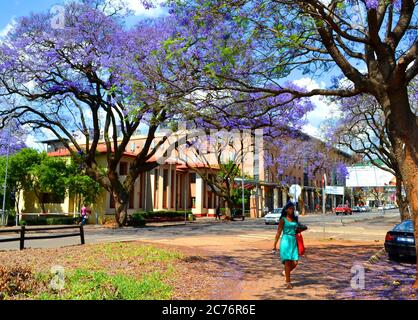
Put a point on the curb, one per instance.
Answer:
(377, 256)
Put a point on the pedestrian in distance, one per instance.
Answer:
(84, 214)
(218, 212)
(288, 229)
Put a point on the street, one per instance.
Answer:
(358, 227)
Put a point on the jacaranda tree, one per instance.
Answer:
(89, 82)
(371, 43)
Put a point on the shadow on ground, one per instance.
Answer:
(325, 272)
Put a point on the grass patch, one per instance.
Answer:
(98, 285)
(147, 254)
(112, 271)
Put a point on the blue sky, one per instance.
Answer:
(11, 9)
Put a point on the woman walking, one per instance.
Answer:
(289, 226)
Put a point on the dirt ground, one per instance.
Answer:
(249, 270)
(227, 268)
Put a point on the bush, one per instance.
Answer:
(43, 220)
(164, 214)
(137, 220)
(61, 221)
(11, 219)
(15, 281)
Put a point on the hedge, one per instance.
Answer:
(139, 219)
(44, 220)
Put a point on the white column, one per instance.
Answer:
(284, 198)
(160, 188)
(199, 195)
(151, 188)
(276, 198)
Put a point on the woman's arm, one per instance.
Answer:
(278, 233)
(301, 228)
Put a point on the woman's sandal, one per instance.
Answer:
(288, 285)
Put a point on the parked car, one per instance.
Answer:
(356, 209)
(364, 209)
(273, 217)
(400, 240)
(389, 206)
(343, 209)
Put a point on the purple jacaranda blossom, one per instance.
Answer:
(12, 138)
(372, 4)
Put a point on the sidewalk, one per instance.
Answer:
(200, 220)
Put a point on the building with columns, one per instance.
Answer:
(173, 186)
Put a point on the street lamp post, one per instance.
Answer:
(242, 180)
(323, 200)
(3, 214)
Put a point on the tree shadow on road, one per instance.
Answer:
(323, 273)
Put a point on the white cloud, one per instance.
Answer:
(7, 28)
(312, 131)
(138, 8)
(324, 110)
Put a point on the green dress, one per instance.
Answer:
(288, 243)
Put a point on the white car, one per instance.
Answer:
(273, 217)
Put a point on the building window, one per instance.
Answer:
(141, 187)
(193, 177)
(52, 198)
(210, 199)
(132, 199)
(155, 187)
(123, 168)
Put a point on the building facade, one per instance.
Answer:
(173, 186)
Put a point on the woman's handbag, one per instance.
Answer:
(301, 246)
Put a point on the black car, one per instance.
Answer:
(400, 240)
(356, 209)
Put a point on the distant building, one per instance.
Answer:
(371, 185)
(174, 186)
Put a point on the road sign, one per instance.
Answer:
(334, 190)
(295, 191)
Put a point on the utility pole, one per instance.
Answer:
(3, 214)
(242, 177)
(323, 200)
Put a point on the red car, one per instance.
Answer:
(343, 209)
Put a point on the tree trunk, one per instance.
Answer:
(121, 208)
(121, 198)
(410, 175)
(403, 133)
(42, 204)
(228, 207)
(302, 204)
(401, 200)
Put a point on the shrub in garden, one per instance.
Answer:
(16, 281)
(138, 220)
